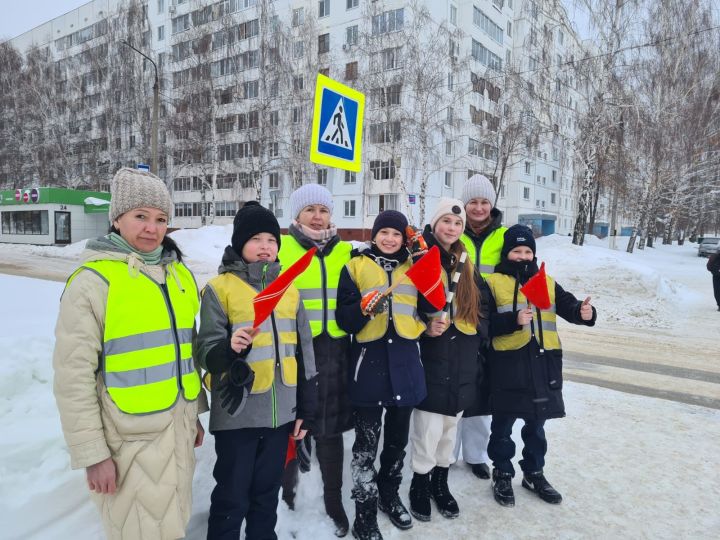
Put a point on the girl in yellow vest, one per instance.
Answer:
(263, 380)
(525, 366)
(450, 349)
(385, 371)
(311, 207)
(125, 382)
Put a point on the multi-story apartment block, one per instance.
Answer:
(452, 88)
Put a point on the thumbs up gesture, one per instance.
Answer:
(586, 310)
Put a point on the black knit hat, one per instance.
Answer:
(517, 235)
(390, 218)
(250, 220)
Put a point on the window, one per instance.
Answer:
(160, 33)
(322, 177)
(537, 202)
(296, 115)
(251, 89)
(349, 4)
(485, 57)
(273, 150)
(298, 49)
(451, 82)
(526, 193)
(453, 14)
(298, 82)
(380, 203)
(389, 95)
(561, 36)
(487, 25)
(498, 3)
(323, 8)
(351, 35)
(386, 59)
(323, 43)
(389, 21)
(349, 209)
(274, 180)
(225, 125)
(132, 141)
(181, 23)
(298, 17)
(350, 177)
(160, 6)
(382, 170)
(25, 222)
(448, 148)
(509, 29)
(538, 178)
(226, 181)
(225, 208)
(448, 179)
(385, 132)
(351, 71)
(552, 199)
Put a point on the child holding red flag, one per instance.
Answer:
(386, 372)
(273, 363)
(525, 364)
(450, 349)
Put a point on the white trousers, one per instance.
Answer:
(473, 436)
(432, 440)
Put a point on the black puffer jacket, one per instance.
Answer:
(452, 360)
(527, 382)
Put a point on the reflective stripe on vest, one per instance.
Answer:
(147, 341)
(368, 276)
(318, 283)
(236, 296)
(490, 249)
(461, 324)
(503, 289)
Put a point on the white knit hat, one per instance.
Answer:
(448, 206)
(132, 188)
(307, 195)
(478, 187)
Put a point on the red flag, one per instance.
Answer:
(536, 291)
(426, 275)
(291, 451)
(268, 298)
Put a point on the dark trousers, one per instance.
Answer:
(248, 472)
(501, 447)
(716, 288)
(367, 434)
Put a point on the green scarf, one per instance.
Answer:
(151, 257)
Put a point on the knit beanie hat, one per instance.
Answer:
(448, 206)
(517, 235)
(390, 218)
(478, 187)
(307, 195)
(132, 188)
(250, 220)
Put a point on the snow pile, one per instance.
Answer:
(203, 248)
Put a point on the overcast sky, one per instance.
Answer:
(19, 16)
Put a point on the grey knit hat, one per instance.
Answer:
(478, 187)
(307, 195)
(132, 188)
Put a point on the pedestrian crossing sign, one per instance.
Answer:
(337, 125)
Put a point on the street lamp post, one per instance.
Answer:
(156, 106)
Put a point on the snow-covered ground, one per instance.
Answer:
(628, 466)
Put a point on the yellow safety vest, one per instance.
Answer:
(147, 342)
(488, 257)
(318, 284)
(236, 296)
(369, 276)
(503, 288)
(461, 324)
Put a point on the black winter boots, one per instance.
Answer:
(502, 488)
(481, 470)
(420, 497)
(439, 491)
(391, 504)
(365, 526)
(330, 458)
(537, 483)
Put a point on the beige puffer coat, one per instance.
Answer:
(154, 453)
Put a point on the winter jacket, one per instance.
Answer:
(713, 264)
(145, 505)
(281, 403)
(332, 355)
(527, 382)
(385, 371)
(451, 360)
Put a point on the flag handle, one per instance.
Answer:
(394, 286)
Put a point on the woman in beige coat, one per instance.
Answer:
(125, 383)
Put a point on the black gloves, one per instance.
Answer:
(234, 387)
(303, 449)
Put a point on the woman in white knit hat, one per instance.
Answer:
(449, 349)
(125, 383)
(483, 238)
(311, 208)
